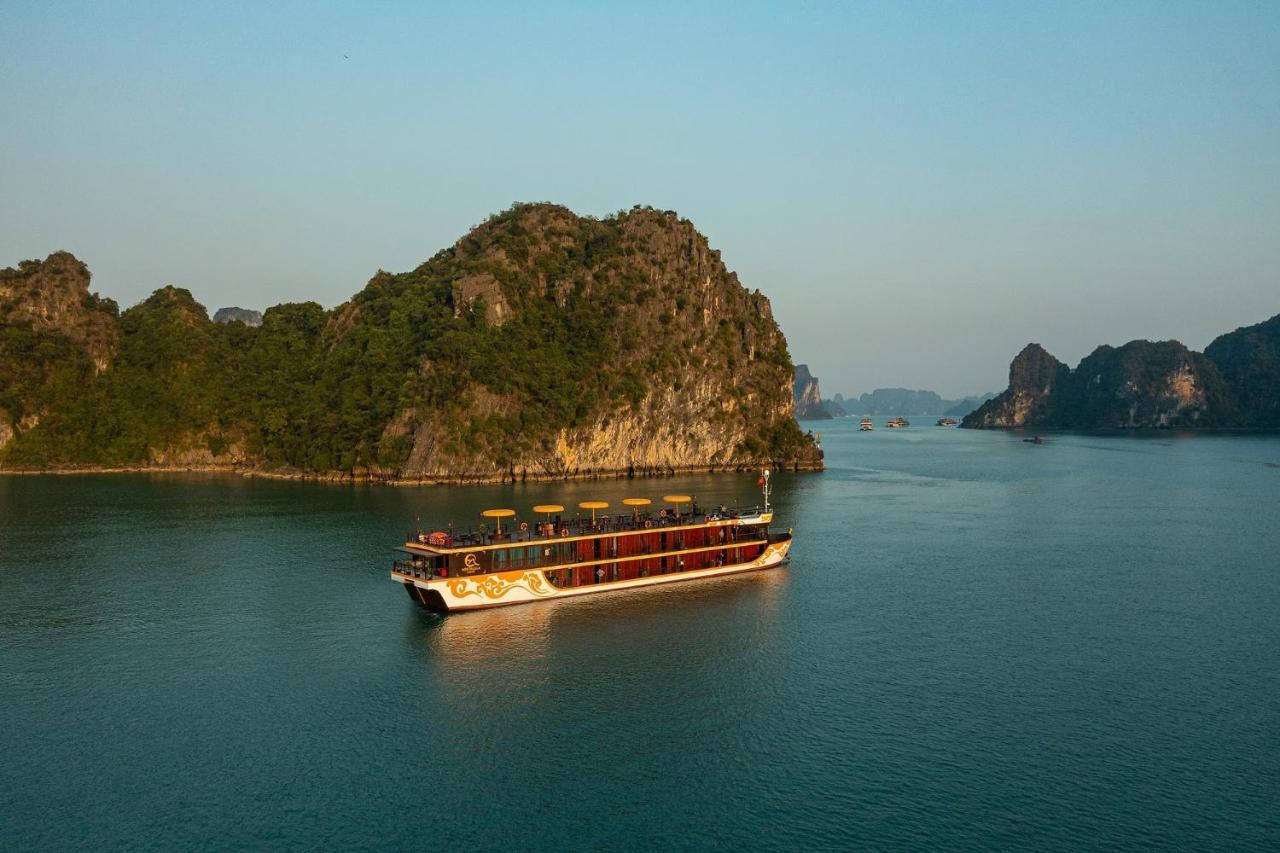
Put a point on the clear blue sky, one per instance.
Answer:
(921, 189)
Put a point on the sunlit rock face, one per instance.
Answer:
(704, 370)
(53, 294)
(1032, 376)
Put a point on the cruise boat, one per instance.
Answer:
(558, 557)
(897, 423)
(866, 425)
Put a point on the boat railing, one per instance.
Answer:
(409, 567)
(566, 555)
(583, 526)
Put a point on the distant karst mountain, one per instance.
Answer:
(906, 401)
(808, 399)
(1235, 382)
(540, 345)
(965, 405)
(238, 315)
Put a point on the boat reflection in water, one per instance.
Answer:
(516, 644)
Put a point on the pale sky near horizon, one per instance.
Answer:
(920, 189)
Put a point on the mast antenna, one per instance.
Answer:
(764, 481)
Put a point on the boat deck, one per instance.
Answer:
(561, 527)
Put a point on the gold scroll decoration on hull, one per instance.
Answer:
(494, 587)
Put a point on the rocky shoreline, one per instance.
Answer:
(339, 477)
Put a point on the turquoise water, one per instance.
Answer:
(979, 643)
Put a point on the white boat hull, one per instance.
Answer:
(526, 585)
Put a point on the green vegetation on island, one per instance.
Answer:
(513, 352)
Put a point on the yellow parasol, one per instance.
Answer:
(677, 500)
(498, 514)
(636, 503)
(547, 509)
(593, 506)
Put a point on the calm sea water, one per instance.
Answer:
(979, 643)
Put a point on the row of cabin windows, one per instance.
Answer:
(620, 546)
(537, 555)
(634, 569)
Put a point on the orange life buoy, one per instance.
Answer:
(648, 522)
(524, 525)
(564, 531)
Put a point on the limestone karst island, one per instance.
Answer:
(1233, 384)
(540, 345)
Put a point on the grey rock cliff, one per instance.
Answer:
(238, 315)
(808, 398)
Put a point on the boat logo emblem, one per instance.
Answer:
(470, 561)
